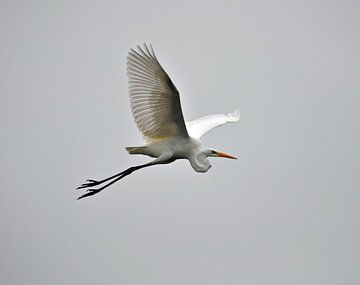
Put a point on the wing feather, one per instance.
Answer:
(197, 128)
(154, 99)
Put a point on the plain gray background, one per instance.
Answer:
(286, 212)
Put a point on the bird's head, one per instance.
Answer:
(201, 162)
(215, 153)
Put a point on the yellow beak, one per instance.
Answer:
(222, 154)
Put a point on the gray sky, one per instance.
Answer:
(286, 212)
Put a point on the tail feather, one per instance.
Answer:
(136, 149)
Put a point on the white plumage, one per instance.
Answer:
(155, 104)
(197, 128)
(154, 99)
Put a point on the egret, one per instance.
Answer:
(155, 105)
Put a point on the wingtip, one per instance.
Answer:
(234, 116)
(144, 50)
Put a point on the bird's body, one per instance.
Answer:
(179, 147)
(175, 148)
(155, 104)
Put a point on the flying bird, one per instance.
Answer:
(156, 108)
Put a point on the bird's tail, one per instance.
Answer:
(136, 149)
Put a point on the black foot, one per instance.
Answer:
(89, 183)
(90, 192)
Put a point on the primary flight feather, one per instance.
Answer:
(156, 108)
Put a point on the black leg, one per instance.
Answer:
(92, 183)
(117, 177)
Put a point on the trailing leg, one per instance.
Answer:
(166, 157)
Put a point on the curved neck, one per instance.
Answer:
(199, 162)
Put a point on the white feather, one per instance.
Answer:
(154, 99)
(197, 128)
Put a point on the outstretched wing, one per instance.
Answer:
(154, 99)
(199, 127)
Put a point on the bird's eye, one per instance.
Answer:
(213, 152)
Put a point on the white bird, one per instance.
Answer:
(155, 104)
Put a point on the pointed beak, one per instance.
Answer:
(222, 154)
